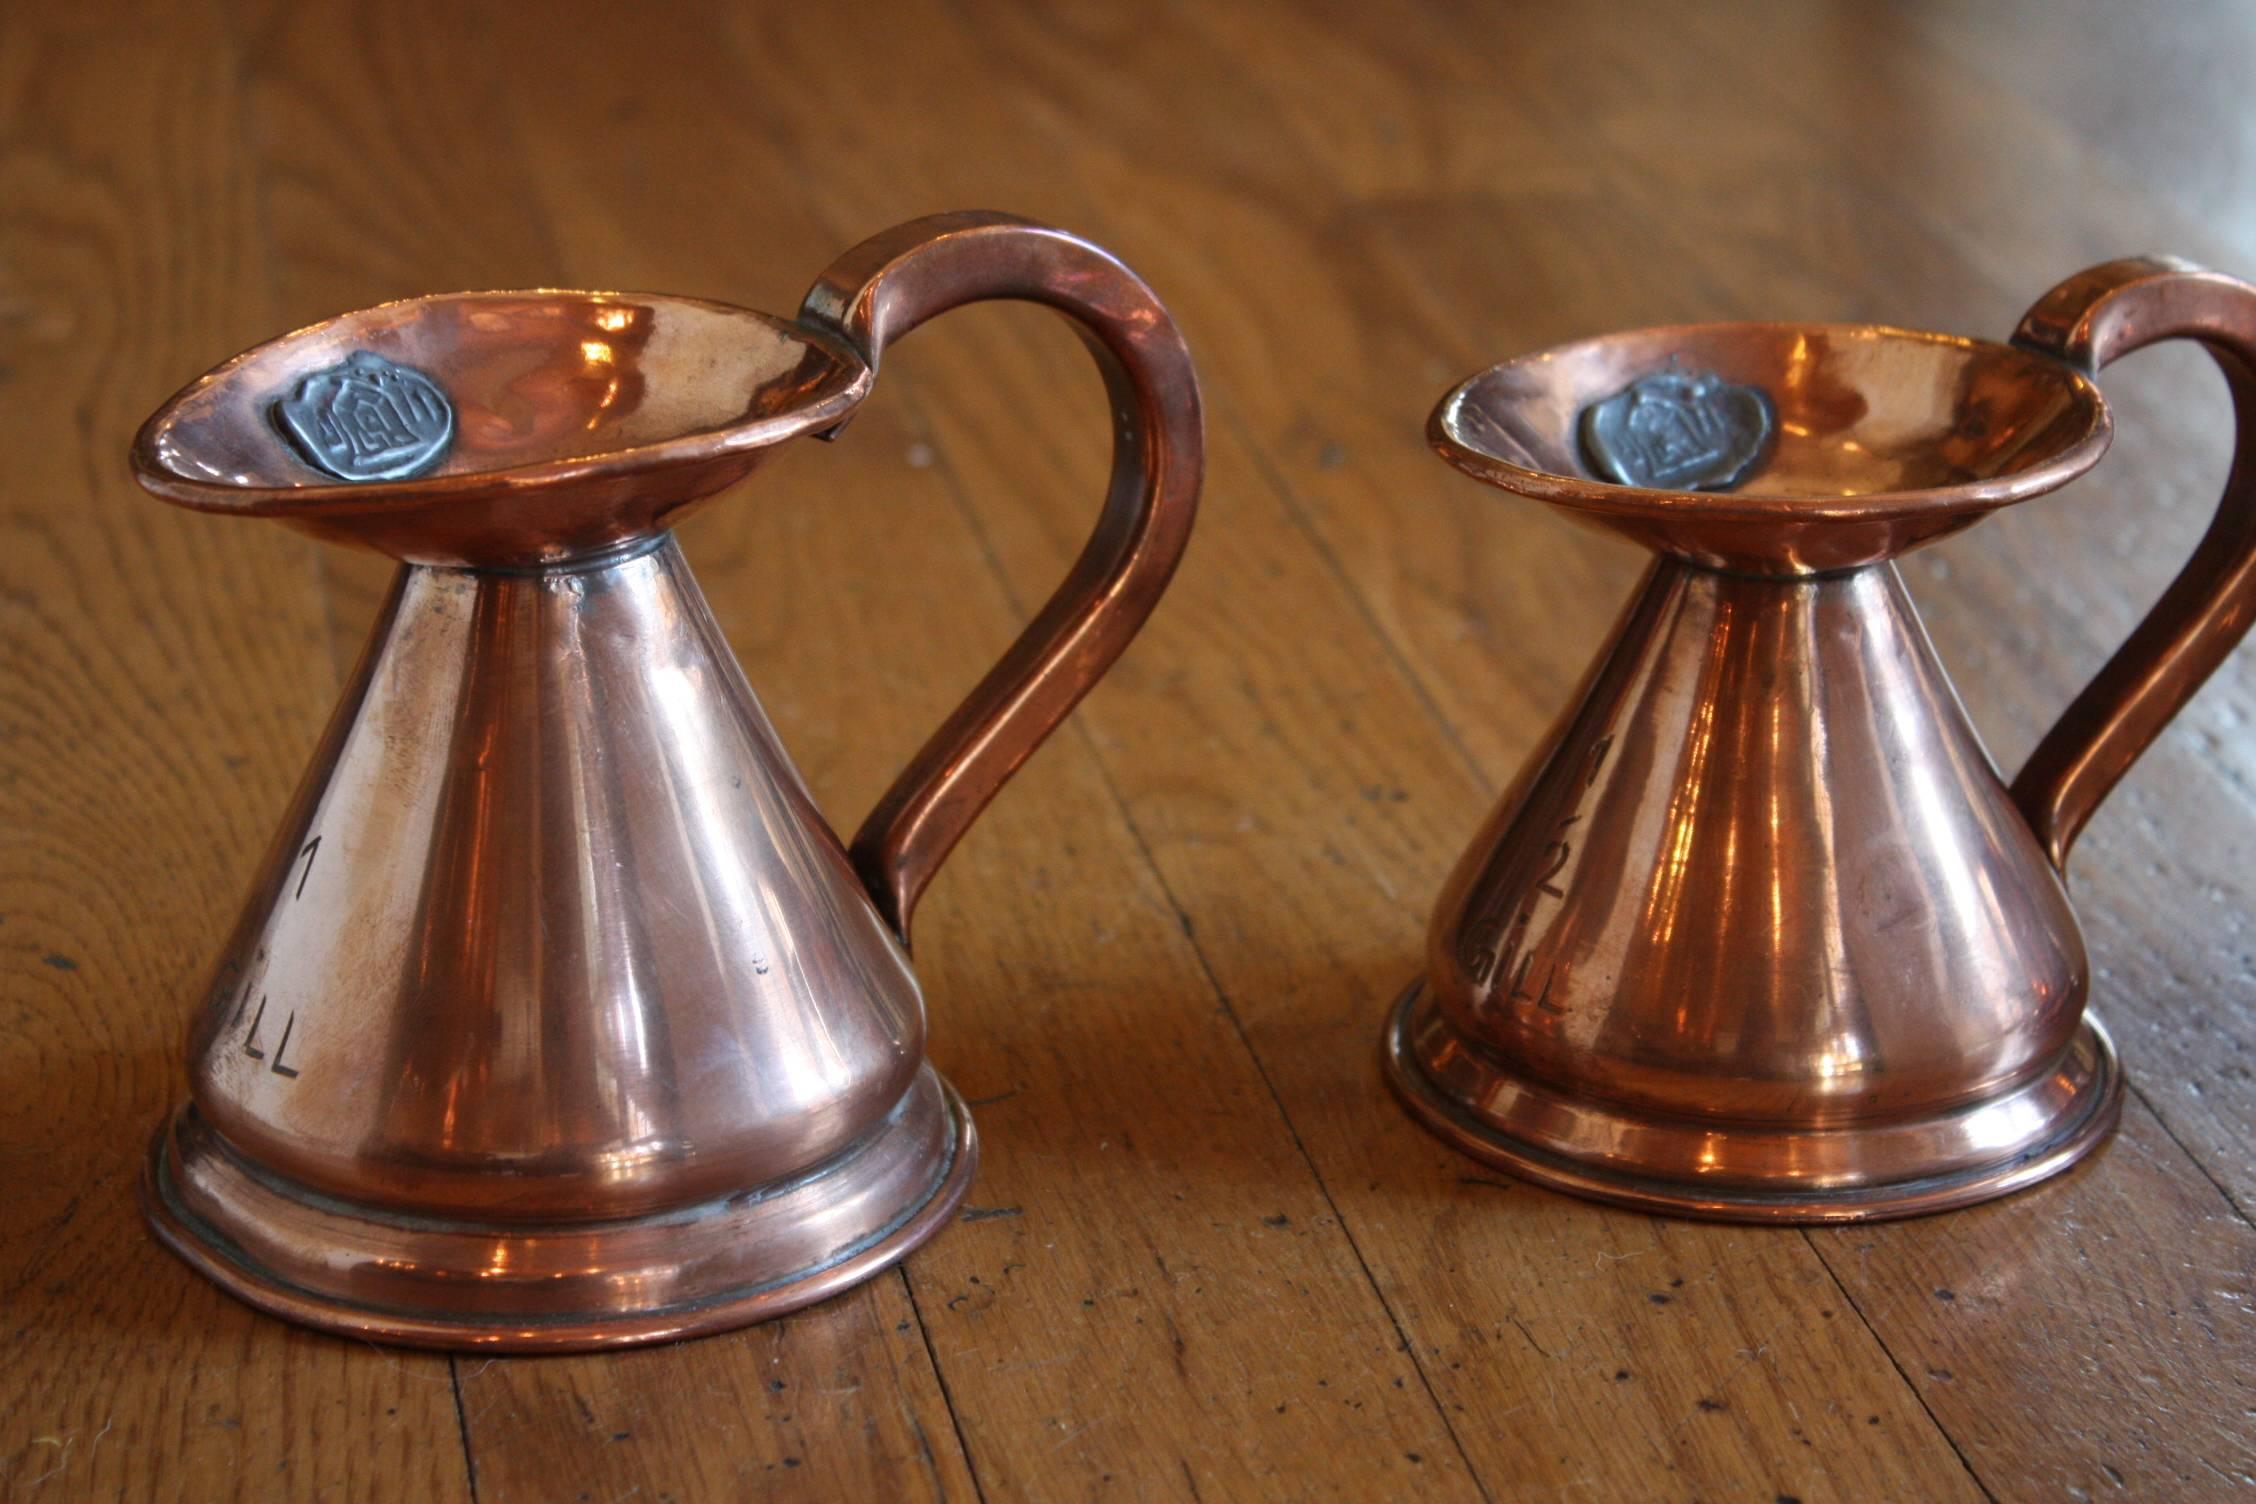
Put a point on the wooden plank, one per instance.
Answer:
(1264, 747)
(839, 1402)
(2159, 110)
(2085, 1341)
(163, 680)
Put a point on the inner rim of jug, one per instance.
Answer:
(1870, 421)
(546, 388)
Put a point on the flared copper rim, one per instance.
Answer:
(839, 389)
(1486, 1110)
(211, 1252)
(1446, 429)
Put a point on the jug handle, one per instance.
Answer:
(2088, 321)
(878, 292)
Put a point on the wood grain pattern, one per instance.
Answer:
(839, 1403)
(1206, 1257)
(161, 681)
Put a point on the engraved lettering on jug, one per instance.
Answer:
(283, 1049)
(1497, 943)
(1597, 760)
(306, 854)
(1678, 430)
(244, 981)
(367, 418)
(1555, 857)
(1541, 997)
(250, 1040)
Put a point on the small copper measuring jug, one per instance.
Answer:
(1760, 933)
(558, 1017)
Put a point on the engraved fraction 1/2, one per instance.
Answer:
(1492, 946)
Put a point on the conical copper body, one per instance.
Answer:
(553, 929)
(558, 1016)
(1764, 920)
(1760, 932)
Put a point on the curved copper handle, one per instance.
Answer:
(882, 289)
(2088, 321)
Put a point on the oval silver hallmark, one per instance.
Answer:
(1678, 430)
(367, 418)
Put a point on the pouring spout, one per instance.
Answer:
(497, 429)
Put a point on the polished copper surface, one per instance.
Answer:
(1760, 933)
(584, 420)
(558, 1017)
(878, 292)
(1886, 439)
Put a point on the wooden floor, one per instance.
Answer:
(1206, 1256)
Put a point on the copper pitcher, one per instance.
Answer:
(1760, 933)
(558, 1017)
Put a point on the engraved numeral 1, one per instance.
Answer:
(306, 854)
(1598, 751)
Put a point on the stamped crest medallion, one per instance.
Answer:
(1679, 430)
(367, 418)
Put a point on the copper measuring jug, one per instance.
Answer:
(1760, 933)
(558, 1017)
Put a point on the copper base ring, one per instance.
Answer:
(558, 1287)
(1588, 1147)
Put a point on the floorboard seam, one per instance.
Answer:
(1292, 1131)
(1893, 1362)
(940, 1377)
(993, 558)
(1289, 500)
(462, 1426)
(2171, 1134)
(1323, 1188)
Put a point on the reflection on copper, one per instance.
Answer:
(1850, 984)
(597, 1033)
